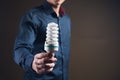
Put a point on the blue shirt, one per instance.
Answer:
(31, 38)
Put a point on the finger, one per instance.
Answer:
(49, 70)
(40, 66)
(50, 60)
(41, 71)
(51, 55)
(41, 55)
(39, 61)
(53, 59)
(49, 65)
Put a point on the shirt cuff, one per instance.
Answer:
(28, 62)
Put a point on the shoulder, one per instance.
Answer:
(67, 17)
(34, 11)
(32, 14)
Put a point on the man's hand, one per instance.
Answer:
(43, 62)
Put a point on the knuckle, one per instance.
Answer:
(50, 65)
(39, 61)
(51, 69)
(40, 71)
(53, 64)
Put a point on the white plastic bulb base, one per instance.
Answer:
(50, 48)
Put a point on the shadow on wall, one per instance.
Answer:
(95, 40)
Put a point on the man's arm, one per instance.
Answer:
(24, 43)
(41, 62)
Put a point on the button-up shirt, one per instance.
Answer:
(31, 38)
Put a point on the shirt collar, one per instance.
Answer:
(49, 9)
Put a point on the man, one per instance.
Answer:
(29, 50)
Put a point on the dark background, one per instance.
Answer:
(95, 44)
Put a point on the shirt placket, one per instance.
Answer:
(61, 46)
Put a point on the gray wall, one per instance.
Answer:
(95, 44)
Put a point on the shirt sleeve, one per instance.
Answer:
(24, 42)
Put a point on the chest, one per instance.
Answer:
(63, 25)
